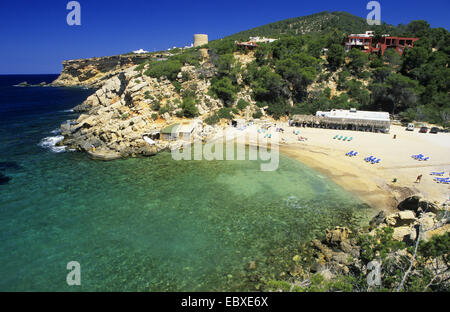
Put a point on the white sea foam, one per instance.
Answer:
(50, 143)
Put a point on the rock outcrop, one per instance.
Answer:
(93, 72)
(341, 253)
(128, 106)
(414, 212)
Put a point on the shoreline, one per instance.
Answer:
(373, 184)
(374, 193)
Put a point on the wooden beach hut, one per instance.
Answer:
(345, 120)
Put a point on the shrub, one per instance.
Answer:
(225, 113)
(336, 56)
(177, 86)
(257, 115)
(188, 107)
(154, 116)
(213, 119)
(156, 106)
(166, 109)
(224, 90)
(169, 69)
(140, 67)
(148, 96)
(242, 104)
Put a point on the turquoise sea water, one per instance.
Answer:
(148, 224)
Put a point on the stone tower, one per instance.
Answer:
(200, 39)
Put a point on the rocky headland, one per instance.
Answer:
(94, 72)
(129, 105)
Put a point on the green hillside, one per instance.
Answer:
(315, 23)
(293, 76)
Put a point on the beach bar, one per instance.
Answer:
(345, 120)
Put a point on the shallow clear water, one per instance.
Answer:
(148, 224)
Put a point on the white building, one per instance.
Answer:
(354, 114)
(140, 51)
(262, 39)
(357, 120)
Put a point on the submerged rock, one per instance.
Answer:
(4, 179)
(378, 219)
(9, 165)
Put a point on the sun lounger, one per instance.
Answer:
(335, 137)
(374, 162)
(424, 159)
(438, 173)
(349, 153)
(368, 159)
(349, 139)
(355, 154)
(340, 138)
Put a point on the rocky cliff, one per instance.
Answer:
(129, 105)
(93, 72)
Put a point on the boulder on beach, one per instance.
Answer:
(418, 204)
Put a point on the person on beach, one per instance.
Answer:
(419, 178)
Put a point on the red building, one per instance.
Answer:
(367, 43)
(250, 45)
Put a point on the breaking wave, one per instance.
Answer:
(50, 143)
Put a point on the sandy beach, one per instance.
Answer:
(374, 184)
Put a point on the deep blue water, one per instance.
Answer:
(144, 224)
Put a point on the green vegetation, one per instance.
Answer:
(212, 119)
(394, 258)
(188, 107)
(224, 89)
(257, 114)
(171, 67)
(225, 113)
(411, 87)
(336, 56)
(242, 104)
(324, 22)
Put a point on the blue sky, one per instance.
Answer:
(35, 37)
